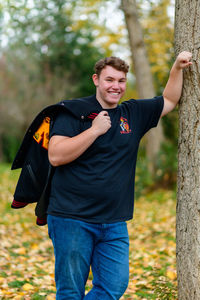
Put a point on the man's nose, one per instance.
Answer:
(115, 85)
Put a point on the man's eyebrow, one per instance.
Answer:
(110, 77)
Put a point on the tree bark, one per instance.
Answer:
(144, 80)
(187, 37)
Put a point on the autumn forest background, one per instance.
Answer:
(47, 53)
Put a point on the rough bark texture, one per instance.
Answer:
(187, 37)
(143, 74)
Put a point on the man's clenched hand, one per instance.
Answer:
(183, 60)
(102, 123)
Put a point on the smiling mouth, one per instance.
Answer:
(115, 94)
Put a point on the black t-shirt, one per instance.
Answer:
(98, 186)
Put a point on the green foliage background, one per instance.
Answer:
(50, 51)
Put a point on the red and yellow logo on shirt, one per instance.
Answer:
(124, 125)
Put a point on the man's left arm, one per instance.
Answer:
(173, 89)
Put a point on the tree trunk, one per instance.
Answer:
(143, 74)
(187, 37)
(1, 150)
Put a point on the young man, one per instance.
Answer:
(92, 189)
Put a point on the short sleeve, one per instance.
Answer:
(149, 112)
(66, 125)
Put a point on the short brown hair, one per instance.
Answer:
(115, 62)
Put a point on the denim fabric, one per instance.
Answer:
(79, 245)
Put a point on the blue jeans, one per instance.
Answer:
(79, 245)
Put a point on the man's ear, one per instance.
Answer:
(95, 79)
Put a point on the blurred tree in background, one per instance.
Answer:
(48, 50)
(159, 40)
(45, 60)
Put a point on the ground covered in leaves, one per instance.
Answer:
(26, 253)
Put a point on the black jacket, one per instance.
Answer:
(32, 156)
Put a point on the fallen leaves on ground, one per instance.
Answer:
(27, 260)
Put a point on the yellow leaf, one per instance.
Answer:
(51, 297)
(171, 274)
(27, 287)
(21, 251)
(53, 288)
(7, 292)
(139, 271)
(17, 297)
(34, 246)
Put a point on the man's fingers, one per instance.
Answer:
(184, 59)
(103, 113)
(185, 55)
(102, 123)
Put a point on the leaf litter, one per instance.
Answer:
(27, 260)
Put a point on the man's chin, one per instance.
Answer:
(108, 103)
(114, 99)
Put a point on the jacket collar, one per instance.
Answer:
(86, 107)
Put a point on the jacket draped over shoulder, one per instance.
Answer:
(32, 156)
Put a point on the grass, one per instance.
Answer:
(27, 260)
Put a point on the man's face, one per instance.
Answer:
(111, 86)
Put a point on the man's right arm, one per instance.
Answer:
(63, 150)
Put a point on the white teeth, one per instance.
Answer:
(115, 93)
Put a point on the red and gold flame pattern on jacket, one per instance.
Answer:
(42, 134)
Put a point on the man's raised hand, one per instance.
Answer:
(183, 60)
